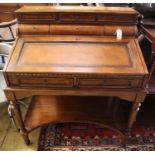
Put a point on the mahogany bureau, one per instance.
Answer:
(68, 58)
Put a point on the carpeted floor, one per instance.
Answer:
(82, 136)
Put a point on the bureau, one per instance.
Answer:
(69, 58)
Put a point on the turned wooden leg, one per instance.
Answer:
(11, 115)
(18, 115)
(133, 113)
(132, 118)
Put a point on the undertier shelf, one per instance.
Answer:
(110, 112)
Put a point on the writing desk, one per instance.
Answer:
(68, 58)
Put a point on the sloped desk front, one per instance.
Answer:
(75, 66)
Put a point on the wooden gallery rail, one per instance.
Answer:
(68, 59)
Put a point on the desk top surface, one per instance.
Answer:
(87, 9)
(76, 54)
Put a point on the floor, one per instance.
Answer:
(10, 139)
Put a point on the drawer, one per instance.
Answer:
(68, 17)
(118, 18)
(46, 82)
(38, 17)
(126, 30)
(108, 83)
(33, 29)
(76, 30)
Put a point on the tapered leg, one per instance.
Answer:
(18, 115)
(133, 113)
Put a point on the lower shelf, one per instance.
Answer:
(110, 112)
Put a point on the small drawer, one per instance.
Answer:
(126, 30)
(108, 83)
(33, 29)
(76, 30)
(46, 82)
(68, 17)
(116, 18)
(38, 17)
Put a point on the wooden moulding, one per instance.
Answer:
(76, 109)
(44, 29)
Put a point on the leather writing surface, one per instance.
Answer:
(84, 54)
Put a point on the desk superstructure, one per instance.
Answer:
(68, 58)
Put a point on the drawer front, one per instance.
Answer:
(33, 29)
(68, 17)
(76, 18)
(76, 30)
(46, 82)
(116, 18)
(74, 82)
(108, 83)
(38, 17)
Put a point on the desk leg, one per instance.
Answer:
(133, 113)
(20, 122)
